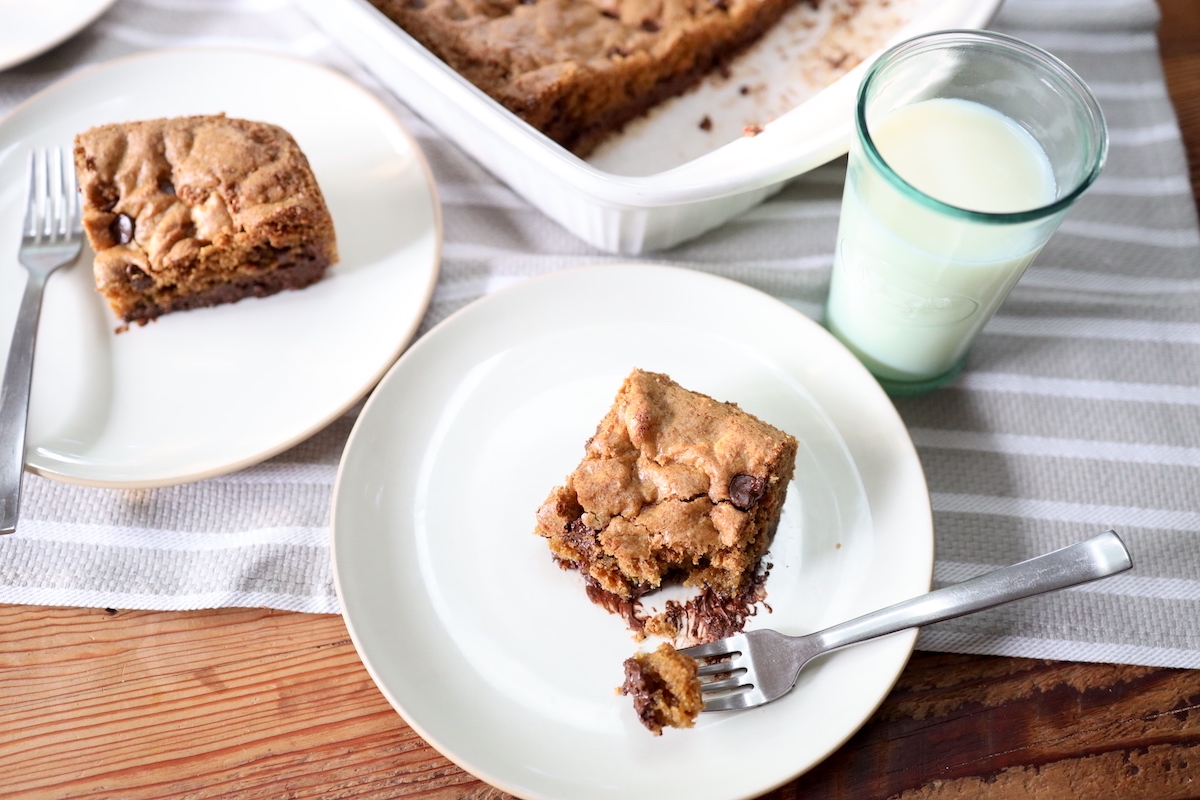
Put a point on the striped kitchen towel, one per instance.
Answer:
(1079, 409)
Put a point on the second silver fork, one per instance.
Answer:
(756, 667)
(52, 236)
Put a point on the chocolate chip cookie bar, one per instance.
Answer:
(673, 484)
(579, 69)
(197, 211)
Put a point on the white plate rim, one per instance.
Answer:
(905, 640)
(65, 32)
(359, 392)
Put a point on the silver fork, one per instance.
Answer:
(759, 666)
(51, 237)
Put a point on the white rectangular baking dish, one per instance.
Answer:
(621, 213)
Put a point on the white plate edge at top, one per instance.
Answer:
(61, 34)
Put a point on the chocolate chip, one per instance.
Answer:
(745, 490)
(166, 187)
(139, 281)
(581, 538)
(122, 229)
(651, 26)
(706, 123)
(416, 4)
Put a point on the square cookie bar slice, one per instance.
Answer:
(196, 211)
(673, 484)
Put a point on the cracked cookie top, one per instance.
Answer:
(672, 481)
(182, 197)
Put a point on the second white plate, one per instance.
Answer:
(32, 27)
(203, 392)
(493, 653)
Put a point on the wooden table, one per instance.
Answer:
(267, 704)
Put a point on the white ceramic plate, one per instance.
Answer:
(493, 653)
(200, 393)
(31, 27)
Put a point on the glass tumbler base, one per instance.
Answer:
(912, 388)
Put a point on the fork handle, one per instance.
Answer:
(1088, 560)
(14, 401)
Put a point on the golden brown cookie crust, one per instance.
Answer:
(194, 211)
(673, 482)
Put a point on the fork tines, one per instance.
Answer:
(723, 672)
(53, 211)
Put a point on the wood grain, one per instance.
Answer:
(231, 703)
(241, 703)
(252, 703)
(983, 727)
(1179, 42)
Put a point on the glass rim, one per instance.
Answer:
(1045, 59)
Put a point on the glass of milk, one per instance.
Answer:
(970, 146)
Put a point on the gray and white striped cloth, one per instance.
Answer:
(1079, 410)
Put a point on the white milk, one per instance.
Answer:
(912, 286)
